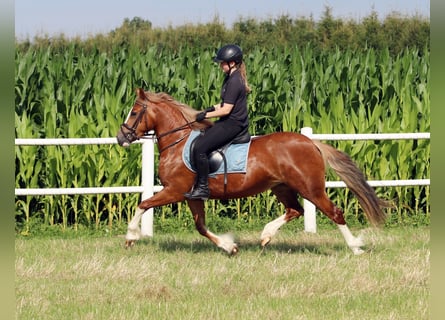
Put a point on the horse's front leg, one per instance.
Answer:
(133, 229)
(165, 196)
(225, 242)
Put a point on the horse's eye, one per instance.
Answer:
(133, 113)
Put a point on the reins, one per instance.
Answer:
(170, 132)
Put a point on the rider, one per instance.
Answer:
(232, 113)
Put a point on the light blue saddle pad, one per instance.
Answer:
(236, 156)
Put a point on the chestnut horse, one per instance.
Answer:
(289, 164)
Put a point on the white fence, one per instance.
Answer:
(147, 187)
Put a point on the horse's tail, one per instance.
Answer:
(355, 180)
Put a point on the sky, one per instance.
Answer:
(88, 17)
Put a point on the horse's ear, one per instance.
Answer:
(140, 93)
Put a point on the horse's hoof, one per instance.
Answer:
(265, 241)
(129, 244)
(358, 251)
(234, 250)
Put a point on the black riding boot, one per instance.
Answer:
(200, 190)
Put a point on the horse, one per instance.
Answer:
(290, 164)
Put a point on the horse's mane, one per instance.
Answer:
(188, 112)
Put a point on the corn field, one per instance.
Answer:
(69, 93)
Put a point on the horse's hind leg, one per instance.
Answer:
(224, 242)
(289, 198)
(323, 203)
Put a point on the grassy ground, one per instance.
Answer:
(183, 276)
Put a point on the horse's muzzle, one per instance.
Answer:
(125, 144)
(125, 139)
(122, 142)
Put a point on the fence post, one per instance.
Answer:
(310, 224)
(147, 182)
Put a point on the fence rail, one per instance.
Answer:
(147, 187)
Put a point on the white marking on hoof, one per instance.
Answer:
(227, 243)
(354, 243)
(265, 241)
(357, 251)
(271, 230)
(358, 241)
(133, 234)
(133, 230)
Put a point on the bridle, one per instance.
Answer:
(131, 135)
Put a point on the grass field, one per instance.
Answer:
(183, 276)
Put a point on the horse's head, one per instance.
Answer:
(136, 124)
(158, 112)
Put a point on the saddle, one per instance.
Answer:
(217, 157)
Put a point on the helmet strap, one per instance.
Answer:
(231, 67)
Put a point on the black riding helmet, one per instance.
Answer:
(228, 53)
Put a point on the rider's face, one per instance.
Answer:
(225, 66)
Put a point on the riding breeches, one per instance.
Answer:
(220, 134)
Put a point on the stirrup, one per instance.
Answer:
(197, 194)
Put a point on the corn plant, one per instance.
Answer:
(69, 93)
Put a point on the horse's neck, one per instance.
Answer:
(171, 128)
(168, 119)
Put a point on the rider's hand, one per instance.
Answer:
(201, 116)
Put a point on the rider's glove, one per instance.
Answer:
(201, 116)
